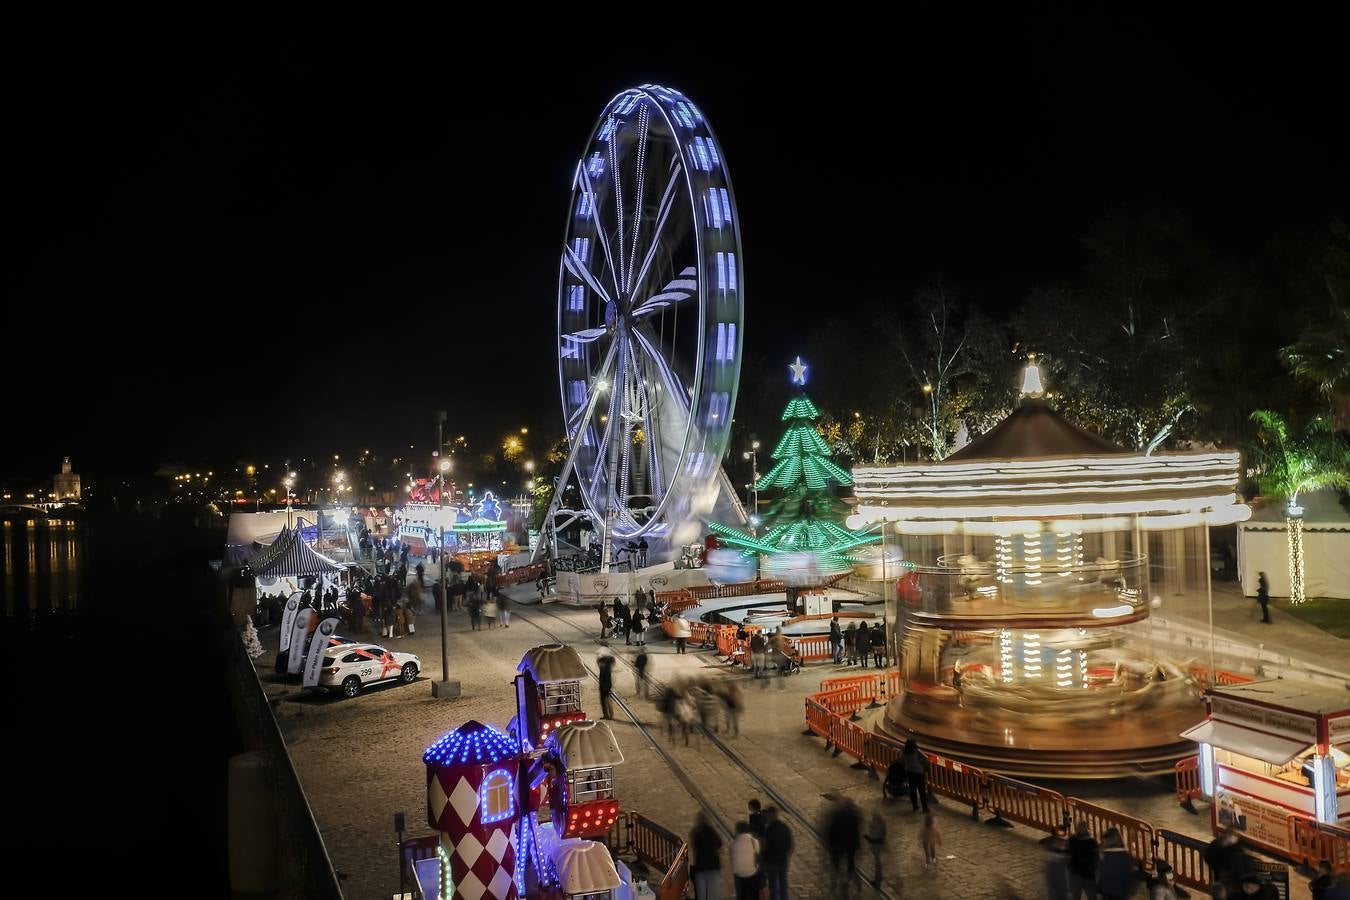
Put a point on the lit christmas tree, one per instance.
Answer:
(252, 646)
(806, 517)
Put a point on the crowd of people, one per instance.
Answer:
(857, 643)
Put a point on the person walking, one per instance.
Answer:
(734, 706)
(640, 673)
(1082, 863)
(705, 864)
(758, 651)
(1263, 596)
(777, 852)
(841, 843)
(421, 575)
(490, 611)
(876, 840)
(606, 685)
(604, 620)
(625, 620)
(745, 855)
(755, 814)
(680, 630)
(410, 617)
(878, 642)
(1115, 869)
(637, 628)
(916, 767)
(504, 609)
(475, 606)
(400, 622)
(1057, 864)
(836, 640)
(1163, 885)
(930, 838)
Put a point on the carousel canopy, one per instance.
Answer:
(584, 867)
(553, 662)
(587, 745)
(1034, 430)
(289, 555)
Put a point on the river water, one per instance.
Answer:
(43, 565)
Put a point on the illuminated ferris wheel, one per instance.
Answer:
(650, 315)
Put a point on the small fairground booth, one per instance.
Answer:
(1273, 758)
(288, 565)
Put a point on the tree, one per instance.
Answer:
(1286, 465)
(1120, 350)
(806, 515)
(1321, 356)
(956, 360)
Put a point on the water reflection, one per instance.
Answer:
(42, 563)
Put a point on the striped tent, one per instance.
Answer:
(289, 555)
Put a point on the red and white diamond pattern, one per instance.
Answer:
(483, 870)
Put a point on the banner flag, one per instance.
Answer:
(298, 634)
(288, 620)
(318, 648)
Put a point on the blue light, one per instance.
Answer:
(486, 743)
(584, 205)
(576, 298)
(721, 271)
(714, 209)
(700, 154)
(726, 205)
(582, 247)
(596, 166)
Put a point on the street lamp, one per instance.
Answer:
(753, 455)
(445, 687)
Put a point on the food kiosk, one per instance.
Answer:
(1272, 752)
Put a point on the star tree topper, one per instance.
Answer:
(798, 371)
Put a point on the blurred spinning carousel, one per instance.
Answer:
(1024, 623)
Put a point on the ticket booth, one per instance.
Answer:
(1272, 750)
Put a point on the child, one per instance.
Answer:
(931, 839)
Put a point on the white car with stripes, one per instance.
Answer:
(349, 667)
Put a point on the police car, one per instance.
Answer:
(349, 667)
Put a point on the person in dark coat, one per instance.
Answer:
(843, 836)
(916, 768)
(836, 640)
(637, 628)
(705, 862)
(640, 673)
(878, 642)
(755, 814)
(1082, 863)
(1117, 874)
(1263, 596)
(777, 852)
(606, 685)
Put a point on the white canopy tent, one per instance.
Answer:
(1263, 546)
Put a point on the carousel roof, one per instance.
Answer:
(587, 745)
(1034, 430)
(290, 555)
(553, 662)
(584, 867)
(472, 742)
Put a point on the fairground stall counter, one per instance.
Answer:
(1273, 759)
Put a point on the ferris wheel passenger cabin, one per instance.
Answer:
(548, 691)
(582, 757)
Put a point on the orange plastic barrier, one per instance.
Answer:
(1315, 841)
(1026, 803)
(958, 781)
(1188, 779)
(1185, 854)
(847, 738)
(1135, 833)
(813, 648)
(818, 717)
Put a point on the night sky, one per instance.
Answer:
(234, 253)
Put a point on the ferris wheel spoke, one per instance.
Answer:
(577, 266)
(675, 291)
(616, 386)
(662, 213)
(599, 230)
(618, 209)
(583, 413)
(644, 124)
(670, 381)
(586, 336)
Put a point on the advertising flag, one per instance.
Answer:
(317, 648)
(298, 634)
(288, 620)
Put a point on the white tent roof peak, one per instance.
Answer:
(553, 662)
(1031, 379)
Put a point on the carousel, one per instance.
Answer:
(1038, 552)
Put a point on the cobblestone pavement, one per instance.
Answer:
(360, 762)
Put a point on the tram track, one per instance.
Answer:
(733, 760)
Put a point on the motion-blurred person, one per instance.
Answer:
(851, 642)
(777, 853)
(758, 648)
(680, 631)
(1115, 869)
(705, 864)
(930, 838)
(876, 841)
(836, 640)
(915, 762)
(842, 827)
(640, 663)
(1082, 863)
(878, 641)
(606, 685)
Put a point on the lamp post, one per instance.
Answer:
(445, 687)
(753, 455)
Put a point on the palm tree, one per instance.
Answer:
(1287, 465)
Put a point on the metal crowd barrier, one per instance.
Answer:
(1026, 803)
(1315, 841)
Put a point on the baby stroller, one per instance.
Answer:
(786, 663)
